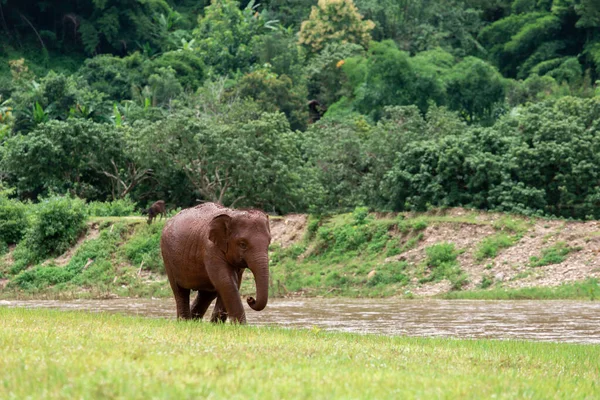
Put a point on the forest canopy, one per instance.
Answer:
(304, 106)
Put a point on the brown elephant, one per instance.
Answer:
(207, 248)
(155, 209)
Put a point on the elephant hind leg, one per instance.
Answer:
(201, 303)
(182, 300)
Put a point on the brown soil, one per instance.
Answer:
(92, 233)
(511, 268)
(288, 229)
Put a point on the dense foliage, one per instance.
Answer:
(301, 105)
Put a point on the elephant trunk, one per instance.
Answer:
(260, 270)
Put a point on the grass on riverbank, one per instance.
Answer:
(358, 254)
(64, 355)
(587, 290)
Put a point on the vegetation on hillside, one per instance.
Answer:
(356, 254)
(486, 104)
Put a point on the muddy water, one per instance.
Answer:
(558, 321)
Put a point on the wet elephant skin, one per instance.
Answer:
(207, 248)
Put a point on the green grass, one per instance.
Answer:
(491, 245)
(441, 263)
(554, 254)
(65, 355)
(587, 290)
(102, 267)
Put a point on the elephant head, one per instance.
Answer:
(244, 237)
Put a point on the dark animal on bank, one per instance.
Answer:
(315, 111)
(155, 209)
(207, 248)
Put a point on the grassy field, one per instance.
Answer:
(65, 355)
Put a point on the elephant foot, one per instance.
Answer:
(219, 316)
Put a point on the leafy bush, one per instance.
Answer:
(554, 254)
(486, 281)
(442, 264)
(489, 246)
(144, 246)
(347, 239)
(410, 243)
(334, 21)
(389, 273)
(13, 220)
(42, 276)
(116, 208)
(57, 222)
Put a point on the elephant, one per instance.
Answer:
(155, 209)
(207, 248)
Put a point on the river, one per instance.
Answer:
(556, 321)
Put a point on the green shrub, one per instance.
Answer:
(13, 220)
(408, 225)
(360, 215)
(440, 254)
(144, 246)
(389, 273)
(411, 243)
(442, 263)
(23, 257)
(489, 246)
(486, 281)
(312, 226)
(42, 276)
(57, 223)
(336, 280)
(116, 208)
(554, 254)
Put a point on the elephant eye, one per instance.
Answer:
(243, 245)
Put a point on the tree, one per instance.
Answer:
(243, 157)
(224, 35)
(275, 93)
(474, 87)
(62, 156)
(388, 76)
(334, 21)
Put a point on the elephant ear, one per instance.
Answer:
(219, 231)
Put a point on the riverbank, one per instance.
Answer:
(51, 354)
(453, 253)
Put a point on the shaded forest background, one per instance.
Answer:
(414, 104)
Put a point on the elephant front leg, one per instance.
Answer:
(230, 296)
(219, 313)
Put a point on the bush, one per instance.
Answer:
(13, 220)
(144, 247)
(441, 260)
(342, 240)
(486, 281)
(390, 273)
(116, 208)
(56, 224)
(42, 276)
(554, 254)
(489, 246)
